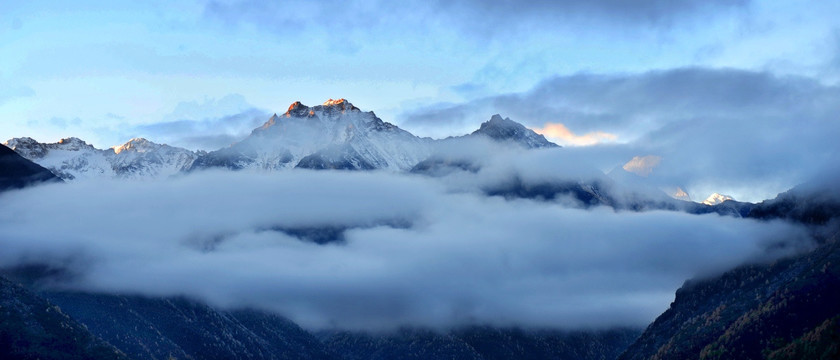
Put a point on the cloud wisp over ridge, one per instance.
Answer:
(717, 130)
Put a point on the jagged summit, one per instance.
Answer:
(505, 129)
(74, 143)
(332, 102)
(32, 149)
(137, 144)
(496, 118)
(27, 147)
(333, 135)
(298, 109)
(72, 140)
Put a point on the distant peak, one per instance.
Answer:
(137, 144)
(497, 121)
(716, 198)
(505, 129)
(73, 143)
(642, 165)
(21, 141)
(72, 140)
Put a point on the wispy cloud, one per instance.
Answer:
(206, 125)
(558, 131)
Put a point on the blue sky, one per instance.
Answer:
(107, 71)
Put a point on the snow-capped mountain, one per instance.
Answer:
(335, 135)
(141, 158)
(73, 158)
(507, 130)
(716, 198)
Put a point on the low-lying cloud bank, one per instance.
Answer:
(457, 257)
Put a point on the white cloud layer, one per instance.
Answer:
(454, 257)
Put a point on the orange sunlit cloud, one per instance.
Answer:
(560, 132)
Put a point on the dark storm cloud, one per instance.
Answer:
(464, 259)
(724, 126)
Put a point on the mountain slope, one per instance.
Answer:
(32, 328)
(481, 343)
(335, 135)
(17, 172)
(73, 158)
(748, 313)
(157, 328)
(788, 309)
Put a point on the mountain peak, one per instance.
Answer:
(505, 129)
(295, 105)
(332, 102)
(21, 142)
(137, 144)
(74, 143)
(297, 109)
(716, 198)
(72, 140)
(339, 104)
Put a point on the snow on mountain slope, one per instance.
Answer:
(335, 135)
(716, 198)
(507, 130)
(141, 158)
(72, 158)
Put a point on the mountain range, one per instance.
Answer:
(787, 309)
(334, 135)
(74, 159)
